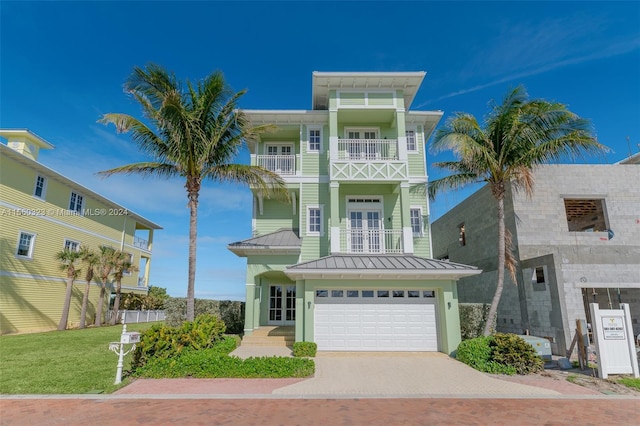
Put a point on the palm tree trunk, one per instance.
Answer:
(116, 303)
(193, 235)
(85, 302)
(67, 303)
(493, 311)
(103, 290)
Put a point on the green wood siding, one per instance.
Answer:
(275, 215)
(384, 98)
(351, 98)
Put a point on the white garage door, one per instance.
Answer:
(375, 320)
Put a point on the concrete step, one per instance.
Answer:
(268, 340)
(271, 330)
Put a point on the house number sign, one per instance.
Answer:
(613, 328)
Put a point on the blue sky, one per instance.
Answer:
(63, 64)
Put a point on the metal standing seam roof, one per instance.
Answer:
(398, 262)
(285, 238)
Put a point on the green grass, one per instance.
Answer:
(64, 362)
(630, 382)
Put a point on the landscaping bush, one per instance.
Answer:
(231, 312)
(215, 362)
(512, 350)
(302, 349)
(162, 341)
(473, 317)
(500, 354)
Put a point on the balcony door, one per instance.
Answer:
(280, 159)
(364, 234)
(362, 143)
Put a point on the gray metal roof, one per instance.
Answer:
(286, 239)
(389, 265)
(379, 261)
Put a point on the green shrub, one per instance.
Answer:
(162, 341)
(500, 354)
(231, 312)
(301, 349)
(473, 317)
(510, 349)
(214, 363)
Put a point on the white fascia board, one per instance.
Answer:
(287, 116)
(421, 117)
(379, 274)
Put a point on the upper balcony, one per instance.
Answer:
(367, 159)
(284, 165)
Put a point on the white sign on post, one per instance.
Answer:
(613, 338)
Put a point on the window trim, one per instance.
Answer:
(320, 208)
(32, 243)
(69, 240)
(43, 195)
(415, 140)
(421, 221)
(309, 130)
(77, 209)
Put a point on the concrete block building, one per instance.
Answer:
(576, 240)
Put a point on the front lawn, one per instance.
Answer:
(630, 382)
(65, 362)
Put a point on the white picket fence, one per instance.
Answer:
(132, 317)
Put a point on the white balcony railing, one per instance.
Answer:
(281, 164)
(375, 241)
(368, 149)
(140, 243)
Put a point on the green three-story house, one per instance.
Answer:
(347, 262)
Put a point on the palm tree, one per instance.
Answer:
(122, 265)
(195, 134)
(67, 259)
(517, 136)
(106, 259)
(90, 260)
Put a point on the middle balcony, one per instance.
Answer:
(367, 159)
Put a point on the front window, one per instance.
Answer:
(314, 220)
(538, 275)
(416, 221)
(71, 245)
(25, 244)
(411, 140)
(314, 140)
(76, 202)
(41, 187)
(585, 215)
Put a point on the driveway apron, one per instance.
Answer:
(398, 374)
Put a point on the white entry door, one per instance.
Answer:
(282, 304)
(365, 232)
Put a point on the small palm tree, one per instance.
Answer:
(90, 260)
(106, 260)
(122, 265)
(196, 134)
(517, 136)
(67, 259)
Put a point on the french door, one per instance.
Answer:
(365, 234)
(362, 144)
(282, 304)
(280, 158)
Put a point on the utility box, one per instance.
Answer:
(130, 337)
(541, 345)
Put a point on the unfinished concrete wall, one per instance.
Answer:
(573, 260)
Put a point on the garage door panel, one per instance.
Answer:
(376, 324)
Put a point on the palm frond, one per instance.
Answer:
(145, 169)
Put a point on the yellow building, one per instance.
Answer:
(41, 213)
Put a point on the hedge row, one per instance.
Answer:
(230, 312)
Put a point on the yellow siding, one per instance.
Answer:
(32, 289)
